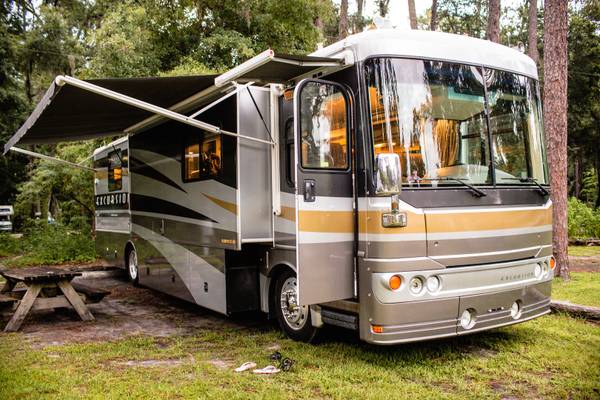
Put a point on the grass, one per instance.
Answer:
(584, 251)
(554, 357)
(583, 288)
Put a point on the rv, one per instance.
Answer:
(393, 183)
(6, 213)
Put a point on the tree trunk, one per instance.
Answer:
(555, 122)
(358, 24)
(412, 13)
(577, 181)
(433, 25)
(493, 24)
(532, 49)
(343, 26)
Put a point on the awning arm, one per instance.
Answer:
(62, 80)
(49, 158)
(244, 67)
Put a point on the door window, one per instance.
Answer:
(323, 127)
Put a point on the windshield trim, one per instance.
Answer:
(361, 67)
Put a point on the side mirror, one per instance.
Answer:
(388, 174)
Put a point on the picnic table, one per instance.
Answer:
(47, 288)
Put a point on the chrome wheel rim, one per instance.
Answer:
(133, 270)
(295, 316)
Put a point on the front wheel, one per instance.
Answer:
(293, 319)
(132, 267)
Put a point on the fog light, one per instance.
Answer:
(538, 270)
(516, 310)
(416, 285)
(467, 319)
(433, 284)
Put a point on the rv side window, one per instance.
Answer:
(323, 127)
(202, 158)
(115, 171)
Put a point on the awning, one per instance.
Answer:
(74, 109)
(268, 67)
(67, 112)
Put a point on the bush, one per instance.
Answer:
(9, 245)
(584, 221)
(44, 244)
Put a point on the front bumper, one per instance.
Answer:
(432, 319)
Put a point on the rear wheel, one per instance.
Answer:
(132, 267)
(293, 319)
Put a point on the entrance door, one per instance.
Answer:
(325, 220)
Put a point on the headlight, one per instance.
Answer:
(433, 284)
(416, 285)
(467, 319)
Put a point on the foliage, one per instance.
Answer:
(44, 244)
(10, 245)
(584, 221)
(583, 288)
(589, 190)
(66, 192)
(584, 89)
(463, 17)
(538, 359)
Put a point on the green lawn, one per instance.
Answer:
(583, 288)
(554, 357)
(584, 251)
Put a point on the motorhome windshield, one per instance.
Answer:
(432, 114)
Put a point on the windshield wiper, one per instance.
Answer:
(474, 191)
(541, 190)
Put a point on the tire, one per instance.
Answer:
(293, 320)
(131, 266)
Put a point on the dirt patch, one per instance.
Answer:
(584, 264)
(127, 311)
(150, 363)
(221, 364)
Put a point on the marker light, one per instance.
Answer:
(552, 263)
(395, 282)
(467, 319)
(516, 310)
(377, 328)
(416, 285)
(433, 284)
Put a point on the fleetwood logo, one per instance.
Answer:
(112, 200)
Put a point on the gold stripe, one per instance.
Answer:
(370, 221)
(487, 221)
(326, 221)
(231, 207)
(288, 213)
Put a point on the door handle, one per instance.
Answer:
(310, 190)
